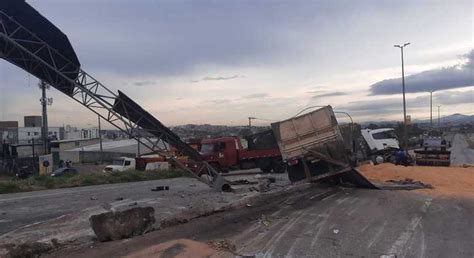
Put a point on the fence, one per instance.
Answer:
(11, 166)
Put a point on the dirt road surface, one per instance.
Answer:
(325, 222)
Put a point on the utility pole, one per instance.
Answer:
(100, 141)
(431, 109)
(405, 137)
(44, 104)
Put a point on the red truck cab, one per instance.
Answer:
(227, 153)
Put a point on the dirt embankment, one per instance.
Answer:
(446, 181)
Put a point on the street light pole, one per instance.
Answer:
(439, 118)
(431, 109)
(250, 122)
(405, 137)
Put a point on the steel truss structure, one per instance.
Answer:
(23, 48)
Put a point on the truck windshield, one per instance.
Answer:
(384, 135)
(208, 148)
(117, 162)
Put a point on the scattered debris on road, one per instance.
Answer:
(28, 249)
(264, 220)
(123, 224)
(222, 245)
(243, 182)
(160, 188)
(411, 184)
(173, 221)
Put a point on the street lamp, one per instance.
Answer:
(431, 109)
(404, 102)
(250, 121)
(439, 118)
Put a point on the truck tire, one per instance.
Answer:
(265, 164)
(296, 173)
(279, 166)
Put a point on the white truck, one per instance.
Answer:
(379, 145)
(380, 139)
(142, 163)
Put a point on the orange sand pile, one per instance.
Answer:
(447, 181)
(181, 248)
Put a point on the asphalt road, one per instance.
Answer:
(460, 151)
(57, 213)
(326, 222)
(63, 213)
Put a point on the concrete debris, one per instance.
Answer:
(263, 184)
(265, 220)
(29, 249)
(335, 231)
(222, 245)
(123, 224)
(93, 198)
(55, 242)
(161, 188)
(165, 223)
(243, 182)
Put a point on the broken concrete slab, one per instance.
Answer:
(123, 224)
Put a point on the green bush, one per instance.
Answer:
(85, 179)
(10, 187)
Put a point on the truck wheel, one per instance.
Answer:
(279, 166)
(296, 173)
(265, 165)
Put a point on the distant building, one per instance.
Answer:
(33, 121)
(8, 132)
(28, 134)
(73, 133)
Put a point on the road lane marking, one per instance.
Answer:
(407, 234)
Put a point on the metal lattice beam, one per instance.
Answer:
(22, 45)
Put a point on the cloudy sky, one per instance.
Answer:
(219, 62)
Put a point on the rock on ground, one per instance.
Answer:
(122, 224)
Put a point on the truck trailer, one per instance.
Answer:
(314, 148)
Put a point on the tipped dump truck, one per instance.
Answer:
(314, 149)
